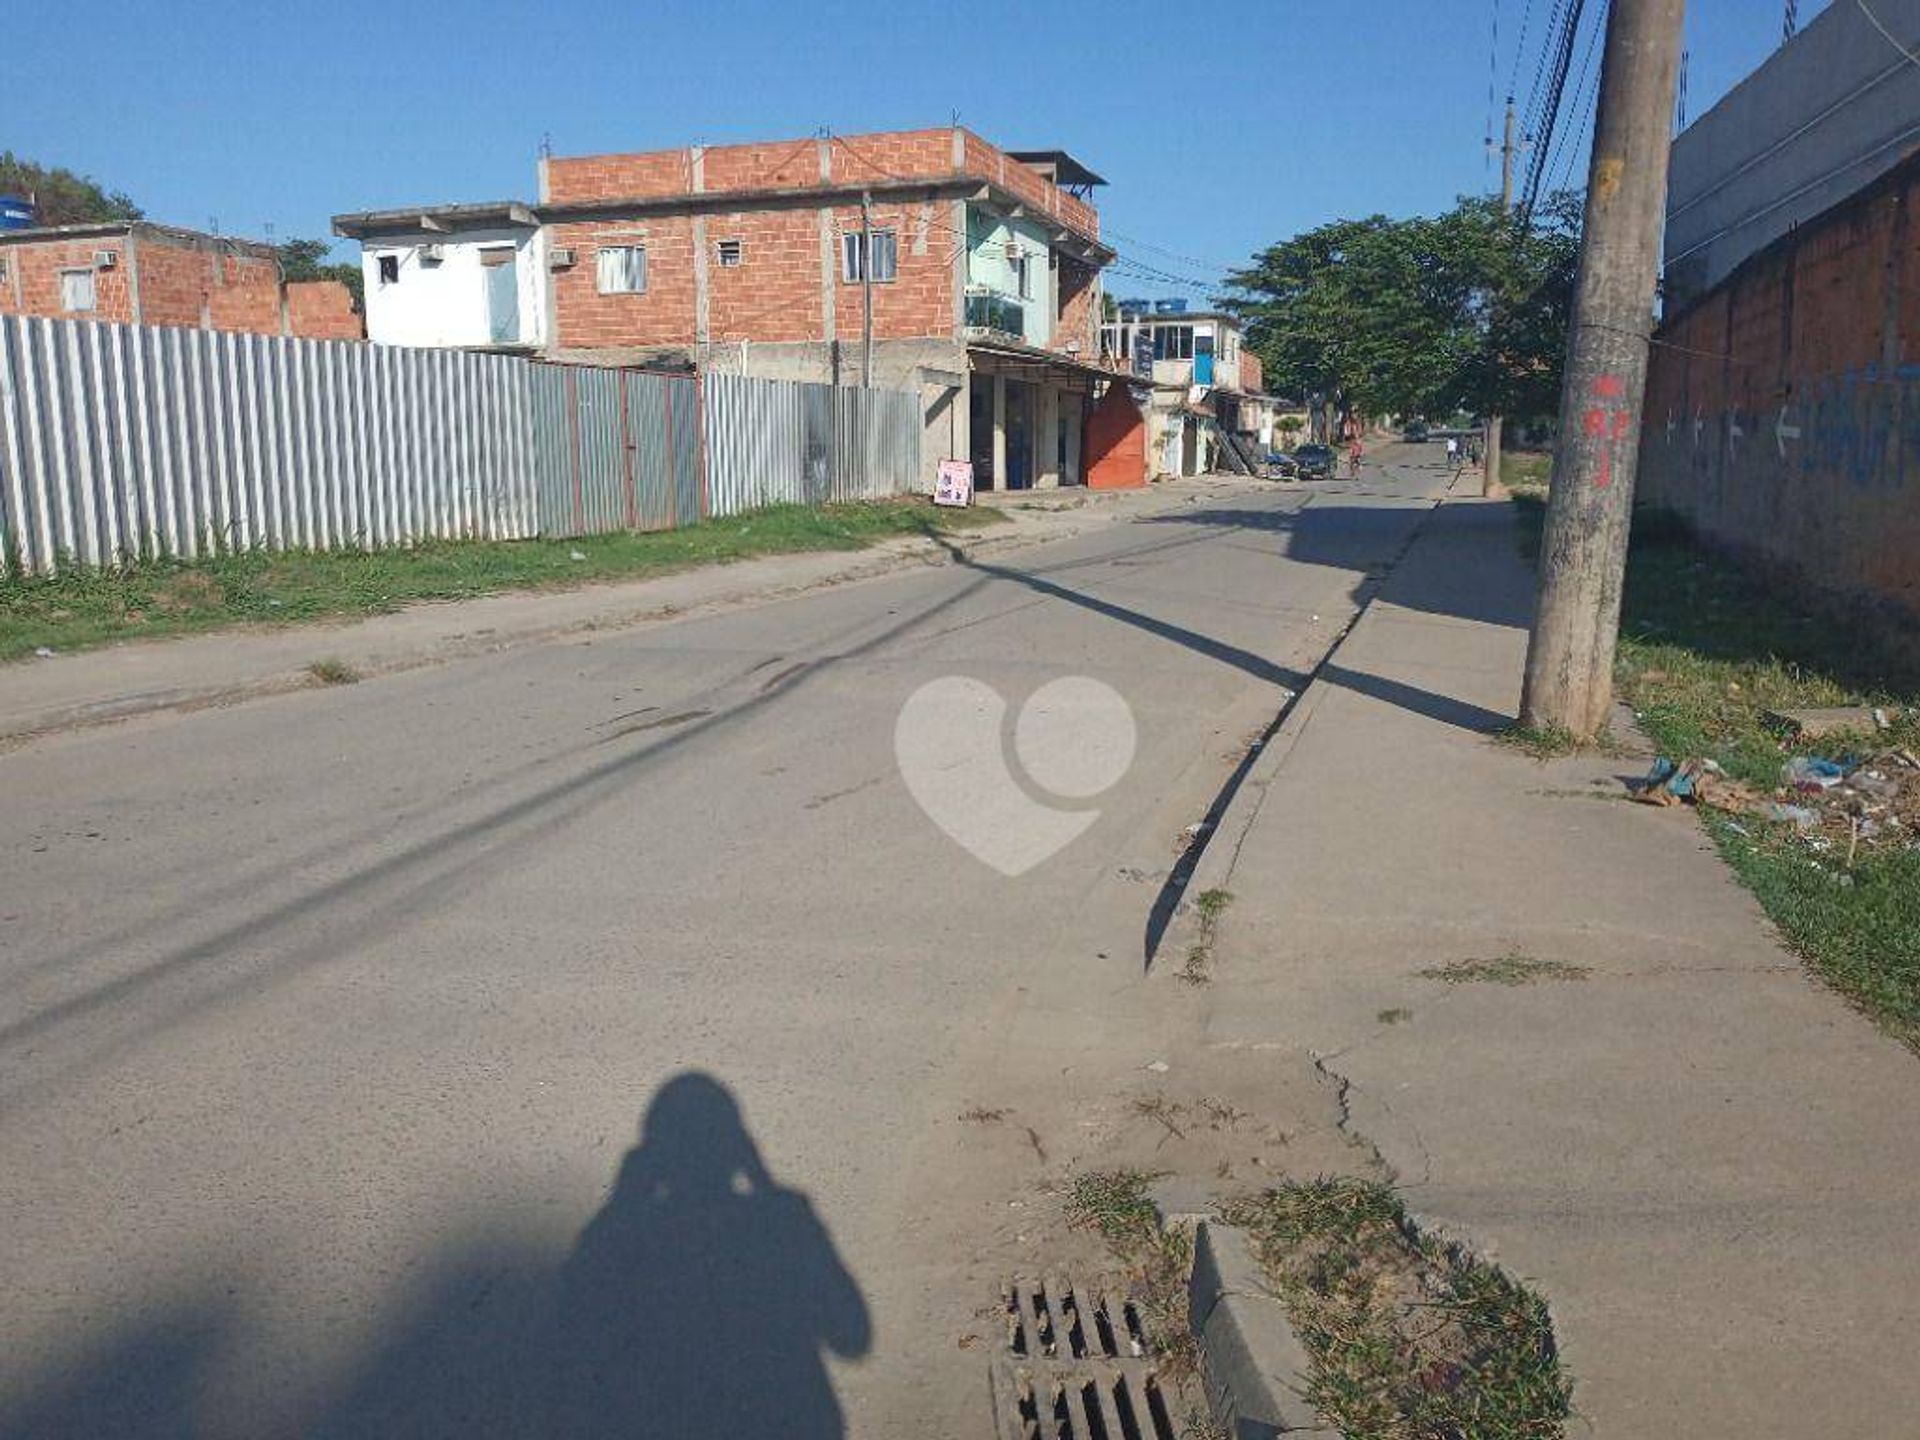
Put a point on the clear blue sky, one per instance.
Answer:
(1221, 126)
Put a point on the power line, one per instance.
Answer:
(1513, 80)
(1874, 20)
(1536, 94)
(1563, 61)
(1493, 76)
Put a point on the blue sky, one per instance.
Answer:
(1221, 127)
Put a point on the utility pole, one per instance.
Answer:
(866, 289)
(1490, 461)
(1583, 553)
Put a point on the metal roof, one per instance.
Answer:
(1066, 169)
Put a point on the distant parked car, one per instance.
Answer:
(1315, 462)
(1415, 433)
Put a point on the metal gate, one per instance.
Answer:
(615, 450)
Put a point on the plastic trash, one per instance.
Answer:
(1801, 817)
(1810, 772)
(45, 652)
(576, 555)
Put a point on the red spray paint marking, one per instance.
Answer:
(1609, 422)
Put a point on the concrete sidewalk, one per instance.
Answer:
(118, 682)
(1707, 1163)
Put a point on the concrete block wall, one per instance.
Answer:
(662, 314)
(32, 283)
(1783, 407)
(159, 278)
(323, 310)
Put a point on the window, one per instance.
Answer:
(886, 254)
(1023, 275)
(389, 269)
(76, 290)
(622, 269)
(731, 254)
(1173, 342)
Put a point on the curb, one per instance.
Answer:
(1253, 1368)
(1252, 1365)
(886, 559)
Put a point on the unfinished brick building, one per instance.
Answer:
(976, 271)
(139, 273)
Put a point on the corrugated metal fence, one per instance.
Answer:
(773, 442)
(123, 441)
(120, 442)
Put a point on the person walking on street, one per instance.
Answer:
(1354, 451)
(1453, 454)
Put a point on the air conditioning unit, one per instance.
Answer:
(1013, 250)
(105, 259)
(560, 257)
(432, 254)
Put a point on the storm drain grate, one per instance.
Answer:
(1077, 1366)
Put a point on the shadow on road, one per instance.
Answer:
(702, 1299)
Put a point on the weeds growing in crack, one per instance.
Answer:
(1513, 968)
(1209, 906)
(333, 672)
(1410, 1338)
(1158, 1258)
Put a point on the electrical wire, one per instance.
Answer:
(1561, 162)
(1563, 61)
(1874, 20)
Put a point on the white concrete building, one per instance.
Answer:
(465, 276)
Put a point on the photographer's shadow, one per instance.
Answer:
(699, 1300)
(702, 1299)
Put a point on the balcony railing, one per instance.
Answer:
(996, 312)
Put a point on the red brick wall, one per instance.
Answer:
(1075, 324)
(1817, 335)
(1115, 453)
(775, 294)
(584, 319)
(919, 300)
(1029, 184)
(180, 282)
(323, 310)
(600, 177)
(884, 155)
(1252, 373)
(32, 286)
(781, 166)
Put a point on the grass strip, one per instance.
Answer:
(1410, 1339)
(81, 608)
(1707, 648)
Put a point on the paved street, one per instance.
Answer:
(330, 1020)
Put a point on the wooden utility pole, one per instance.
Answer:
(866, 289)
(1583, 554)
(1490, 461)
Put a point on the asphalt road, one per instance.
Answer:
(330, 1022)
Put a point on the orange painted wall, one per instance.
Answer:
(1115, 453)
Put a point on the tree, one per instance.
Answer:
(1422, 316)
(60, 196)
(307, 260)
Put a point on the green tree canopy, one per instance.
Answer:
(60, 196)
(307, 260)
(1423, 316)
